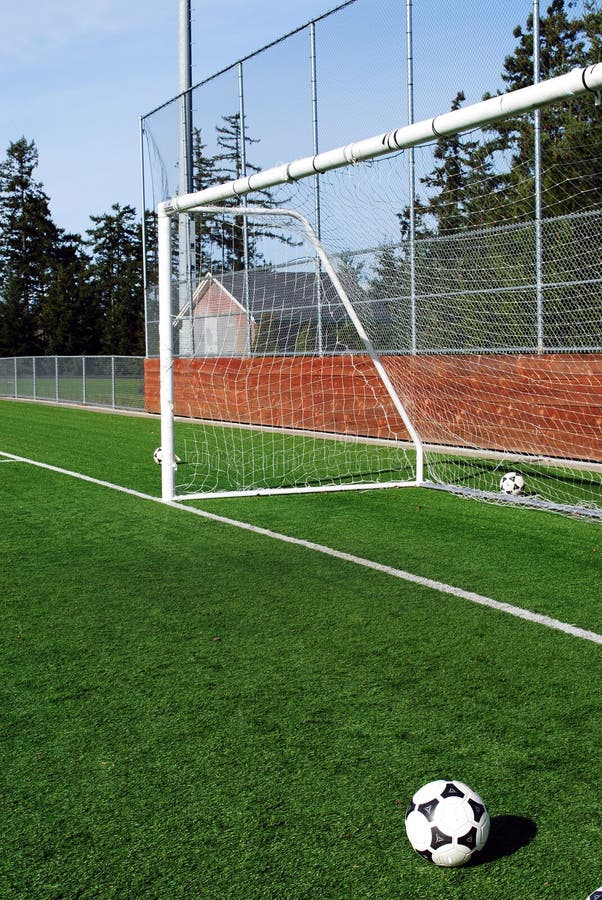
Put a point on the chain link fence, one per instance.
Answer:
(116, 382)
(531, 284)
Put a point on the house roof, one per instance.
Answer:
(290, 293)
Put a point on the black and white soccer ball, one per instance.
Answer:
(446, 822)
(512, 483)
(158, 456)
(595, 895)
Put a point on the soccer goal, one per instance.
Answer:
(308, 353)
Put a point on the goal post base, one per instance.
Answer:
(304, 489)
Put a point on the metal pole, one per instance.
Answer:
(185, 65)
(166, 362)
(412, 179)
(185, 173)
(537, 177)
(245, 226)
(317, 209)
(144, 269)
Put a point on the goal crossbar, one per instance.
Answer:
(572, 84)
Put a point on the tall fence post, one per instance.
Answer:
(144, 241)
(185, 222)
(245, 224)
(412, 181)
(537, 183)
(316, 150)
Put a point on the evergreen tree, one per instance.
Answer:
(455, 185)
(389, 289)
(115, 246)
(28, 241)
(570, 181)
(389, 276)
(238, 247)
(151, 247)
(70, 319)
(207, 232)
(568, 131)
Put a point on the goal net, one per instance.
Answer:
(322, 336)
(273, 372)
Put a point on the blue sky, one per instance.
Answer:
(75, 75)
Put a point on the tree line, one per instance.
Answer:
(62, 293)
(71, 294)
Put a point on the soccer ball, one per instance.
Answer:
(446, 822)
(512, 483)
(158, 456)
(595, 895)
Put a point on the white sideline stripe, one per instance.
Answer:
(516, 611)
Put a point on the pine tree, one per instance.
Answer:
(207, 232)
(115, 246)
(70, 319)
(28, 241)
(389, 276)
(239, 248)
(568, 130)
(571, 134)
(452, 186)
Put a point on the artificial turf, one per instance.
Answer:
(190, 710)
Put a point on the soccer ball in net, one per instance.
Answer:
(446, 822)
(512, 483)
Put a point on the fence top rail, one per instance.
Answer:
(252, 55)
(72, 356)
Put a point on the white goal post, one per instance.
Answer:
(403, 438)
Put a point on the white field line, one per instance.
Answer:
(516, 611)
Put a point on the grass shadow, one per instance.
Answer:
(507, 835)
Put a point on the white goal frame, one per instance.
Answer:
(577, 82)
(167, 400)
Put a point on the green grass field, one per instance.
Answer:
(194, 710)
